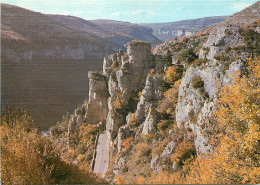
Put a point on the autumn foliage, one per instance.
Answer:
(28, 157)
(235, 141)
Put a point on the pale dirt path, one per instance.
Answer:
(102, 155)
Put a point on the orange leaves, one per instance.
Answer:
(132, 121)
(173, 73)
(183, 152)
(27, 157)
(151, 73)
(235, 159)
(126, 144)
(120, 180)
(87, 133)
(142, 149)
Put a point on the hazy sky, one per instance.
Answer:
(135, 11)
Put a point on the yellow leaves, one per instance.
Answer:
(172, 74)
(120, 180)
(184, 151)
(126, 144)
(235, 159)
(87, 133)
(27, 157)
(132, 121)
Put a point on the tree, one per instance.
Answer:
(188, 56)
(235, 159)
(168, 58)
(28, 157)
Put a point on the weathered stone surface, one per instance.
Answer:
(150, 121)
(192, 110)
(131, 78)
(154, 161)
(120, 163)
(114, 120)
(72, 125)
(123, 133)
(151, 93)
(167, 152)
(97, 107)
(107, 66)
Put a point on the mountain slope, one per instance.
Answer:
(85, 26)
(242, 18)
(134, 31)
(45, 63)
(171, 30)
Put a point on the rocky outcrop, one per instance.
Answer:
(124, 132)
(146, 113)
(126, 75)
(195, 104)
(95, 110)
(167, 152)
(97, 107)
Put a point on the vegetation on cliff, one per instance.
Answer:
(235, 157)
(28, 157)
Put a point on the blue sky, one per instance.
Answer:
(136, 11)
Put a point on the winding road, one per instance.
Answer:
(102, 154)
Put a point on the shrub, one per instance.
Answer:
(184, 152)
(197, 82)
(188, 56)
(168, 58)
(197, 63)
(173, 74)
(163, 125)
(227, 49)
(203, 93)
(221, 43)
(228, 32)
(206, 49)
(114, 77)
(143, 150)
(115, 65)
(114, 57)
(126, 144)
(132, 121)
(221, 57)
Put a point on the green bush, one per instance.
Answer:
(197, 82)
(227, 49)
(188, 56)
(228, 32)
(168, 58)
(221, 57)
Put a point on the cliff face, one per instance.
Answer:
(191, 101)
(126, 78)
(171, 30)
(154, 104)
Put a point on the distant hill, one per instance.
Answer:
(171, 30)
(88, 27)
(46, 58)
(135, 31)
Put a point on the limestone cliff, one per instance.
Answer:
(155, 104)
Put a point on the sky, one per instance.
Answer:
(136, 11)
